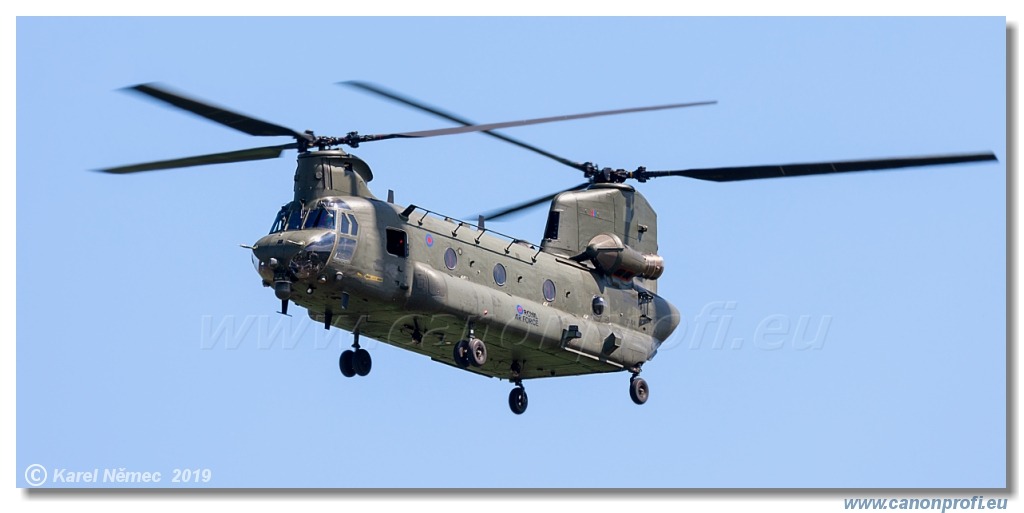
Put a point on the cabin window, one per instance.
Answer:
(549, 290)
(396, 243)
(450, 259)
(598, 305)
(551, 230)
(499, 274)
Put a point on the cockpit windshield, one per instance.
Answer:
(324, 216)
(320, 218)
(295, 220)
(287, 219)
(280, 221)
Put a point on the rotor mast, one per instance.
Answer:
(323, 173)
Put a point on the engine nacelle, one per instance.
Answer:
(617, 259)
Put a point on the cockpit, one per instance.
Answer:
(304, 243)
(327, 215)
(330, 226)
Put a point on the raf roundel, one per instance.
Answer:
(429, 239)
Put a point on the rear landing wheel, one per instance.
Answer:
(461, 354)
(517, 400)
(345, 362)
(638, 390)
(477, 353)
(361, 362)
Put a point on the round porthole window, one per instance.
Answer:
(499, 274)
(450, 258)
(549, 290)
(598, 305)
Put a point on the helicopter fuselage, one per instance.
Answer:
(423, 282)
(583, 301)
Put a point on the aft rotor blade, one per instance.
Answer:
(525, 122)
(240, 122)
(730, 174)
(266, 152)
(391, 95)
(507, 211)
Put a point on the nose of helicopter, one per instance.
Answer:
(279, 247)
(292, 256)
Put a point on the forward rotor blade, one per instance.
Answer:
(730, 174)
(391, 95)
(535, 121)
(266, 152)
(240, 122)
(507, 211)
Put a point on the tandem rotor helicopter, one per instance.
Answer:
(582, 301)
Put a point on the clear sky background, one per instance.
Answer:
(121, 280)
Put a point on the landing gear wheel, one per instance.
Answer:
(477, 354)
(345, 362)
(461, 354)
(638, 390)
(517, 400)
(361, 362)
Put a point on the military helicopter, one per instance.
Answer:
(584, 300)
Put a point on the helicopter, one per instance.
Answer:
(582, 301)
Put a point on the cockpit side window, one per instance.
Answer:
(355, 225)
(344, 223)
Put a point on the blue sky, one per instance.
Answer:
(896, 378)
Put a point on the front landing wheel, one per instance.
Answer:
(638, 390)
(517, 400)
